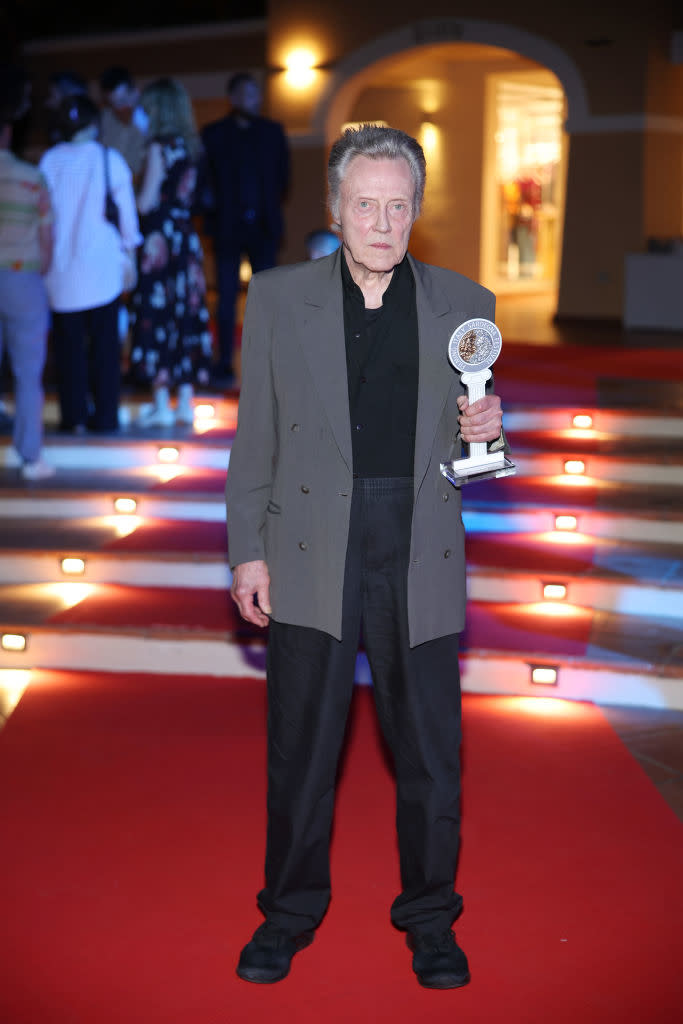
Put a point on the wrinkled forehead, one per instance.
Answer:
(381, 174)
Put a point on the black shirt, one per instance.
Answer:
(382, 365)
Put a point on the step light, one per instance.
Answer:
(543, 675)
(168, 455)
(13, 642)
(73, 566)
(565, 522)
(204, 412)
(574, 467)
(13, 682)
(554, 591)
(582, 421)
(125, 506)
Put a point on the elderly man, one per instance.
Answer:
(340, 520)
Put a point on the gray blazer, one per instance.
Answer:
(290, 476)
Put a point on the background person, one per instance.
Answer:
(61, 85)
(25, 255)
(247, 172)
(90, 258)
(171, 345)
(120, 123)
(339, 520)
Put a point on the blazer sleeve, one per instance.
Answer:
(250, 470)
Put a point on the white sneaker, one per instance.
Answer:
(151, 416)
(185, 410)
(38, 470)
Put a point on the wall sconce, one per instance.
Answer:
(73, 566)
(125, 506)
(300, 68)
(574, 467)
(168, 455)
(582, 421)
(13, 642)
(429, 136)
(554, 591)
(543, 675)
(565, 522)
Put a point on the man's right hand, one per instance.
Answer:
(252, 580)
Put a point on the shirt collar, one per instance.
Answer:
(402, 273)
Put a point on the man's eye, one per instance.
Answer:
(364, 204)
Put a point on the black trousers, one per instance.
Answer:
(262, 255)
(88, 362)
(417, 697)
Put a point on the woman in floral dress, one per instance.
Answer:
(171, 343)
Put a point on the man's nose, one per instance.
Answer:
(382, 220)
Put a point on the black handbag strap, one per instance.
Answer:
(107, 187)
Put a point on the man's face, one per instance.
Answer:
(246, 98)
(122, 100)
(376, 213)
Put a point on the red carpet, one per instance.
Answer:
(133, 820)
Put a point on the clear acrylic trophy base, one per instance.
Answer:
(489, 466)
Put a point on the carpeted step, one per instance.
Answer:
(165, 629)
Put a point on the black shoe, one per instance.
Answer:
(438, 960)
(268, 957)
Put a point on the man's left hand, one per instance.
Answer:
(482, 420)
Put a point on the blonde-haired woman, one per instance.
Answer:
(171, 344)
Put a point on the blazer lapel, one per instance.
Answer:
(436, 322)
(321, 333)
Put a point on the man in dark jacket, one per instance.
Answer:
(247, 174)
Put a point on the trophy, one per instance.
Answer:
(473, 348)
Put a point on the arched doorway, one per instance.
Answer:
(491, 123)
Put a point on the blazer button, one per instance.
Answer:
(295, 427)
(445, 496)
(305, 489)
(303, 545)
(447, 553)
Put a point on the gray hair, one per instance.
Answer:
(377, 143)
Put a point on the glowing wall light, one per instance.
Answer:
(554, 591)
(13, 642)
(543, 675)
(429, 137)
(245, 271)
(565, 522)
(300, 68)
(168, 455)
(125, 506)
(582, 421)
(73, 566)
(574, 467)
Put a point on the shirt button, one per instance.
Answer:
(359, 426)
(357, 335)
(303, 545)
(447, 553)
(305, 489)
(364, 380)
(295, 427)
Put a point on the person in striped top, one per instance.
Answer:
(25, 255)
